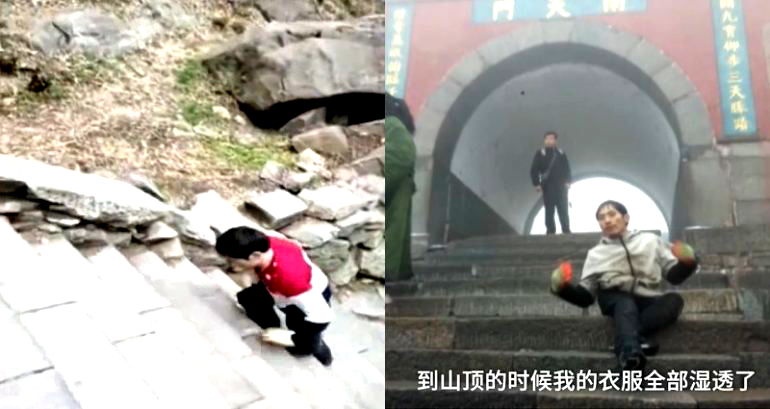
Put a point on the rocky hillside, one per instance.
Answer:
(193, 95)
(274, 107)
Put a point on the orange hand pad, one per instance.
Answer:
(566, 267)
(682, 251)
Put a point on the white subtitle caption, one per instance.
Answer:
(565, 380)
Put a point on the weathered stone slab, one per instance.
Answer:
(311, 232)
(330, 140)
(331, 256)
(333, 202)
(9, 205)
(278, 208)
(168, 249)
(86, 196)
(372, 262)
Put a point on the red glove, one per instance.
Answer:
(561, 276)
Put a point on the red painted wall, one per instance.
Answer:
(443, 33)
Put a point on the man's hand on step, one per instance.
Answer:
(278, 336)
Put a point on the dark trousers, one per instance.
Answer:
(556, 198)
(258, 304)
(636, 316)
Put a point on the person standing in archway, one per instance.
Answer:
(400, 157)
(551, 176)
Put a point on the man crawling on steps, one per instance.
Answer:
(287, 279)
(625, 271)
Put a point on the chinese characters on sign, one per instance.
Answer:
(556, 8)
(738, 116)
(488, 11)
(566, 380)
(398, 27)
(613, 6)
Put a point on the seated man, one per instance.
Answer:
(625, 270)
(288, 279)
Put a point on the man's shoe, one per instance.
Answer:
(634, 363)
(630, 360)
(649, 347)
(323, 354)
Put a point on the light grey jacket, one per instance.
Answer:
(607, 264)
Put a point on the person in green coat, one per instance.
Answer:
(400, 156)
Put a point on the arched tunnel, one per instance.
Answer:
(612, 120)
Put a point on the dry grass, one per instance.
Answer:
(135, 113)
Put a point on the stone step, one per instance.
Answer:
(404, 394)
(722, 301)
(704, 278)
(128, 286)
(364, 376)
(220, 317)
(730, 240)
(172, 338)
(356, 385)
(221, 372)
(79, 338)
(365, 336)
(189, 292)
(752, 398)
(534, 242)
(358, 345)
(96, 374)
(755, 279)
(517, 283)
(178, 379)
(198, 317)
(451, 259)
(23, 272)
(518, 240)
(82, 339)
(527, 252)
(102, 301)
(225, 283)
(160, 354)
(45, 389)
(427, 272)
(570, 333)
(405, 364)
(353, 378)
(20, 354)
(461, 265)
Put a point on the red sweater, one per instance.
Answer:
(288, 274)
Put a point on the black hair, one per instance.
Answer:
(240, 242)
(616, 205)
(397, 107)
(555, 135)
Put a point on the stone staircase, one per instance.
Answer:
(483, 305)
(108, 328)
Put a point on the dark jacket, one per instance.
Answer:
(560, 172)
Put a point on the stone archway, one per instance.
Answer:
(450, 108)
